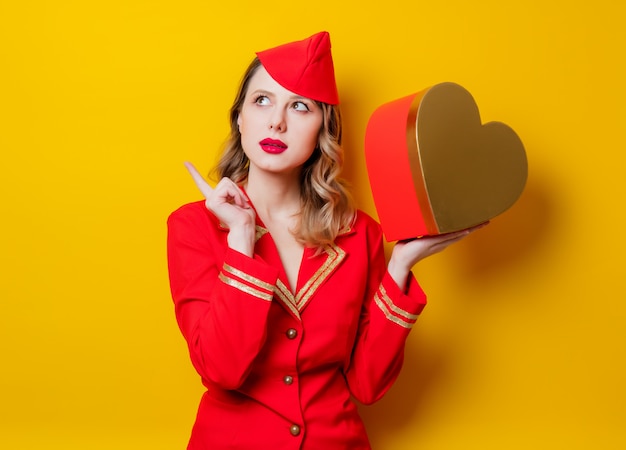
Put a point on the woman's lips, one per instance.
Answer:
(273, 146)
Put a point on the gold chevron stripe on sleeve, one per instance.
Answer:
(249, 278)
(392, 312)
(394, 308)
(391, 317)
(263, 295)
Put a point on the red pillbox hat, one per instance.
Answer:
(304, 67)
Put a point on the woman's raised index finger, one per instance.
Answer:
(204, 187)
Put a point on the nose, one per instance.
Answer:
(277, 121)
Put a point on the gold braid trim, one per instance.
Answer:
(263, 295)
(392, 312)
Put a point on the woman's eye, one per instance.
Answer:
(300, 106)
(262, 100)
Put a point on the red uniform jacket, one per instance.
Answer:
(281, 368)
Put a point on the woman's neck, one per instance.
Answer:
(274, 196)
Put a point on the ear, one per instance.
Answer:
(239, 121)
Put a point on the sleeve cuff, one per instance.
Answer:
(248, 275)
(400, 308)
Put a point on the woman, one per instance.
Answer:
(280, 287)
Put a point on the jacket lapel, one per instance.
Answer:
(315, 269)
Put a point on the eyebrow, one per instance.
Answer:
(272, 94)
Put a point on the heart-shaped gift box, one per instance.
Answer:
(434, 168)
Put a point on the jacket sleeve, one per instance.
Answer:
(387, 316)
(222, 298)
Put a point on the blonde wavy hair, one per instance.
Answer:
(327, 206)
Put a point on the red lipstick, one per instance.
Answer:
(273, 146)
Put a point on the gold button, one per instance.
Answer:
(294, 430)
(292, 333)
(288, 379)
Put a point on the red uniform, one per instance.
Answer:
(280, 368)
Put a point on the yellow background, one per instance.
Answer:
(523, 342)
